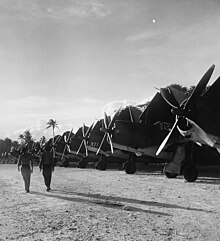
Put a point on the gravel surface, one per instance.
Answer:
(87, 204)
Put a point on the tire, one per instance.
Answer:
(101, 164)
(169, 174)
(190, 173)
(130, 167)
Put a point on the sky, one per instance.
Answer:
(71, 60)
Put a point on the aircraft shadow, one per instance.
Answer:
(103, 203)
(202, 178)
(207, 180)
(206, 174)
(115, 202)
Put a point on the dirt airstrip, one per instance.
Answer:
(87, 204)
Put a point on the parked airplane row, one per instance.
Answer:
(165, 130)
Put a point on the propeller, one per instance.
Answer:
(42, 141)
(108, 129)
(183, 110)
(84, 138)
(30, 146)
(66, 141)
(54, 144)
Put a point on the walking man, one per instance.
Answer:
(25, 160)
(47, 165)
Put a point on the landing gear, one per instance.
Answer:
(169, 174)
(173, 168)
(101, 164)
(82, 163)
(190, 172)
(129, 166)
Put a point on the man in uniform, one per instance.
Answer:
(47, 165)
(25, 160)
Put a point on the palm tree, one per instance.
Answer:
(22, 138)
(52, 124)
(7, 144)
(28, 137)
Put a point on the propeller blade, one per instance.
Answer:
(162, 145)
(42, 141)
(69, 135)
(201, 133)
(109, 119)
(110, 142)
(84, 141)
(200, 87)
(83, 130)
(89, 130)
(105, 120)
(130, 112)
(114, 118)
(100, 146)
(63, 152)
(56, 140)
(64, 137)
(53, 150)
(79, 148)
(168, 97)
(103, 125)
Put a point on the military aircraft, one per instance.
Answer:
(60, 148)
(71, 144)
(85, 145)
(197, 119)
(139, 133)
(52, 144)
(94, 139)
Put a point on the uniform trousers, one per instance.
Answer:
(47, 174)
(26, 174)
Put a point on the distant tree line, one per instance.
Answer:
(185, 90)
(7, 145)
(24, 139)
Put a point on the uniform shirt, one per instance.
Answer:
(46, 159)
(24, 159)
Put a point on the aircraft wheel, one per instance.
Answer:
(169, 174)
(190, 173)
(82, 163)
(130, 167)
(101, 164)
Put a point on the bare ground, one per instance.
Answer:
(110, 205)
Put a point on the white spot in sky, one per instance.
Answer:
(154, 21)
